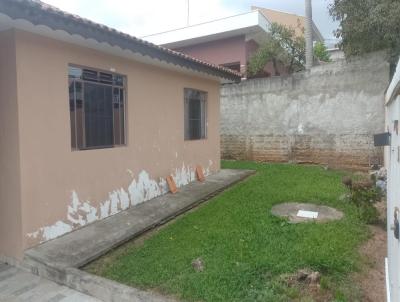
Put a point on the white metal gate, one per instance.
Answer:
(393, 196)
(393, 204)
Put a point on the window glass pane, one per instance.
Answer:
(72, 112)
(195, 114)
(186, 117)
(79, 114)
(118, 80)
(194, 109)
(116, 116)
(195, 129)
(122, 116)
(89, 75)
(203, 118)
(74, 72)
(98, 115)
(106, 78)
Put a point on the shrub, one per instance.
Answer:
(364, 195)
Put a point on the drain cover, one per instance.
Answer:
(303, 212)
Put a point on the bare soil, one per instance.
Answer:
(372, 279)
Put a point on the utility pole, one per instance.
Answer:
(308, 35)
(188, 12)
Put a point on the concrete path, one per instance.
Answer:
(17, 285)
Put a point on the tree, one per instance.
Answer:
(321, 52)
(282, 47)
(368, 25)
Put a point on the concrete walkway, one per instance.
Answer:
(17, 285)
(61, 258)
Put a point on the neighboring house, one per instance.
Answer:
(336, 54)
(231, 41)
(294, 21)
(392, 162)
(92, 121)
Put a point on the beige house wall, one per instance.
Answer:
(10, 198)
(63, 189)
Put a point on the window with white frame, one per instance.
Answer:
(97, 108)
(195, 114)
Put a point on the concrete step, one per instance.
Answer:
(17, 285)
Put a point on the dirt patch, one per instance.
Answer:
(307, 282)
(372, 279)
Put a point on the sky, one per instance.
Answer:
(144, 17)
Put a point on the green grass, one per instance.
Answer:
(245, 249)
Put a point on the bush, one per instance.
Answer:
(364, 195)
(321, 52)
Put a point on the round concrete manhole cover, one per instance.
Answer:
(304, 212)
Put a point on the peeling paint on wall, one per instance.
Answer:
(81, 213)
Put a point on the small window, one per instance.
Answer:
(195, 114)
(97, 108)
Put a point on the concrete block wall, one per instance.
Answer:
(326, 116)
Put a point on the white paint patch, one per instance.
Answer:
(124, 198)
(114, 203)
(163, 185)
(56, 230)
(207, 171)
(51, 232)
(184, 175)
(91, 212)
(143, 189)
(81, 213)
(300, 129)
(105, 209)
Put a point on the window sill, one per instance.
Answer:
(99, 148)
(196, 140)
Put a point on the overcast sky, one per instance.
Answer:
(143, 17)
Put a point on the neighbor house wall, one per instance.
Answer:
(327, 116)
(10, 199)
(64, 189)
(219, 52)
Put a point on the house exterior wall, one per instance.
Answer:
(219, 52)
(61, 189)
(10, 199)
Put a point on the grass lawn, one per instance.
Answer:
(247, 252)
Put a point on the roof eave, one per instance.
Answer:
(58, 20)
